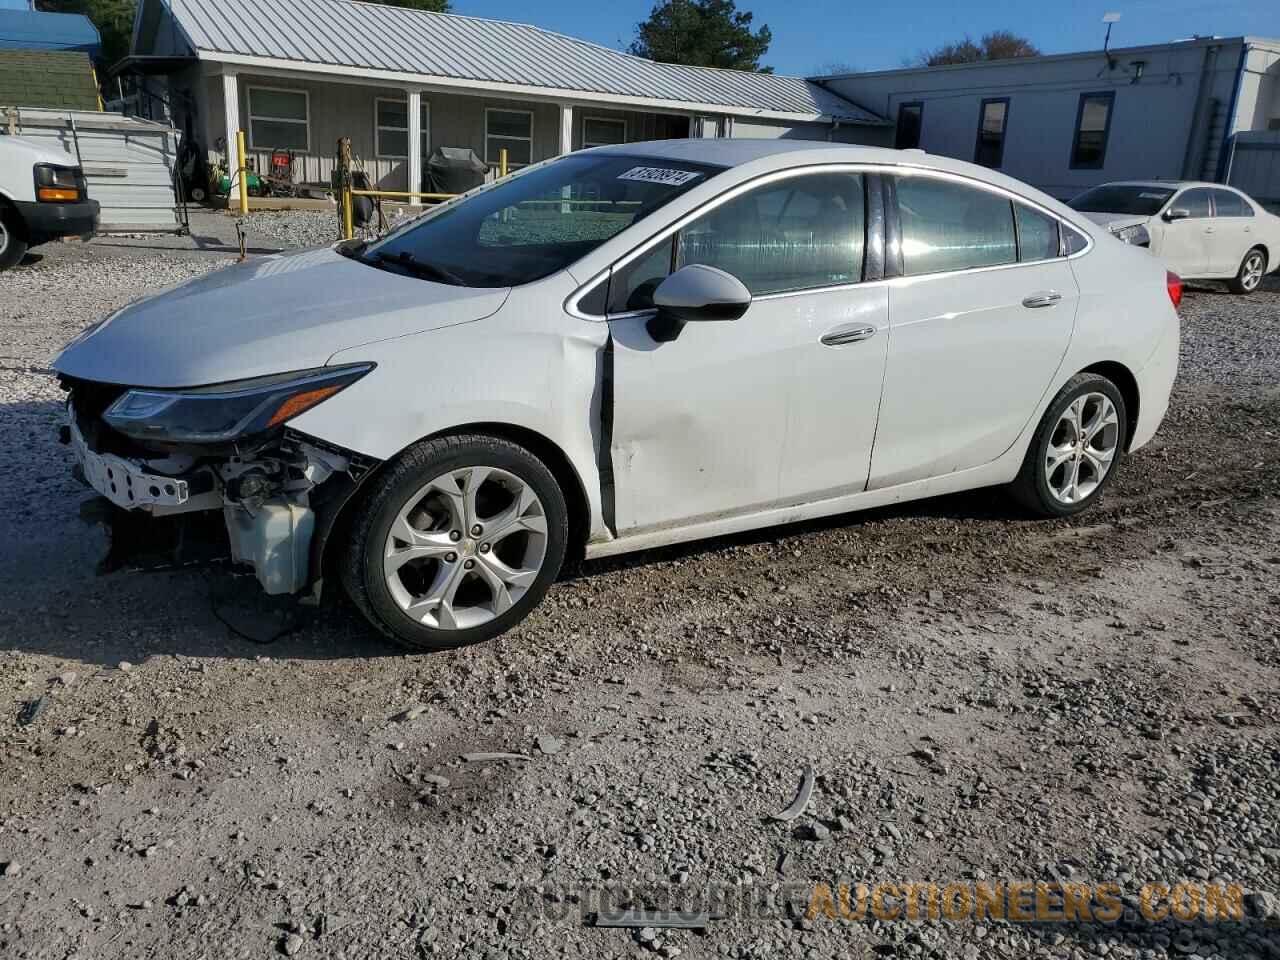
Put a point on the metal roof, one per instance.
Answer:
(404, 41)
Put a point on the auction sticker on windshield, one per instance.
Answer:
(663, 175)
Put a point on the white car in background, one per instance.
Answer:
(623, 348)
(1202, 231)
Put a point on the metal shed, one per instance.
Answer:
(127, 162)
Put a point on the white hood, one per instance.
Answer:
(20, 149)
(1116, 221)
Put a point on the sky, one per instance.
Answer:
(809, 36)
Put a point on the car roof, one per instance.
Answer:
(768, 155)
(732, 153)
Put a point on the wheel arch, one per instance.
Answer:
(335, 528)
(1127, 384)
(557, 461)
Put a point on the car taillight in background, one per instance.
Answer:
(1173, 283)
(56, 184)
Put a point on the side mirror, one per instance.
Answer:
(695, 294)
(1177, 213)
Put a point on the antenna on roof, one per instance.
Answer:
(1110, 19)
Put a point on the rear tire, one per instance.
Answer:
(456, 542)
(13, 241)
(1252, 269)
(1076, 450)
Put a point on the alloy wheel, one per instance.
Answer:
(1082, 447)
(465, 548)
(1251, 274)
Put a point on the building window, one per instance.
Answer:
(391, 128)
(1093, 125)
(993, 118)
(511, 130)
(910, 120)
(603, 131)
(278, 119)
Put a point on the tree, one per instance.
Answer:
(997, 45)
(702, 33)
(835, 68)
(433, 6)
(113, 18)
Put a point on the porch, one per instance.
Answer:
(393, 129)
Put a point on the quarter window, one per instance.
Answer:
(278, 119)
(794, 234)
(993, 118)
(1093, 127)
(631, 287)
(511, 130)
(1037, 235)
(950, 226)
(1073, 241)
(910, 122)
(1226, 203)
(392, 129)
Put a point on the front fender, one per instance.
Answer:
(530, 366)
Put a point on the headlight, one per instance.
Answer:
(227, 411)
(55, 184)
(1135, 234)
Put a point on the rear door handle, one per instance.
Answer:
(1046, 299)
(843, 335)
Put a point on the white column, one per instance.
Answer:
(566, 129)
(231, 108)
(566, 147)
(415, 145)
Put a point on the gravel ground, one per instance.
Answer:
(982, 698)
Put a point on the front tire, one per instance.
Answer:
(456, 542)
(13, 241)
(1252, 269)
(1076, 449)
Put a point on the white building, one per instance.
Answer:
(1070, 121)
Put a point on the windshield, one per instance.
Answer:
(536, 223)
(1136, 201)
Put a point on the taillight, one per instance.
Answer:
(1173, 283)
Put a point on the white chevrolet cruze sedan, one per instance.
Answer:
(1202, 231)
(622, 348)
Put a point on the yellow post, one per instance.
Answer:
(502, 162)
(346, 202)
(97, 89)
(242, 173)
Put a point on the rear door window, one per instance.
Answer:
(950, 226)
(1037, 235)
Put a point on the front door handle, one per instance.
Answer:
(1048, 298)
(843, 335)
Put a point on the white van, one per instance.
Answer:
(41, 199)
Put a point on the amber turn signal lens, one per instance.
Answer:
(300, 402)
(57, 194)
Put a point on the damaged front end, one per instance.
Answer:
(169, 464)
